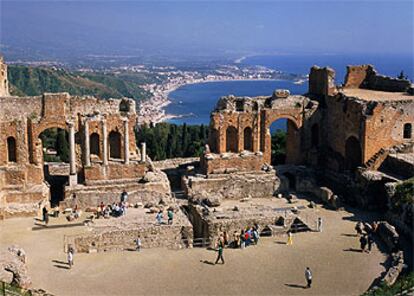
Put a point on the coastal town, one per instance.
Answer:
(153, 109)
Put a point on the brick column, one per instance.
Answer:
(87, 145)
(143, 152)
(126, 142)
(105, 143)
(72, 153)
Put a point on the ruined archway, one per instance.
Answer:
(55, 152)
(285, 142)
(248, 139)
(114, 145)
(353, 154)
(231, 139)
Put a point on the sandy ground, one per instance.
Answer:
(271, 268)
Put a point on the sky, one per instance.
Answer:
(206, 27)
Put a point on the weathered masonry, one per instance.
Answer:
(339, 128)
(103, 157)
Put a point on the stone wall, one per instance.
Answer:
(365, 76)
(151, 189)
(155, 236)
(231, 162)
(322, 81)
(23, 119)
(232, 186)
(120, 233)
(97, 173)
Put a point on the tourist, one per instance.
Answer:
(290, 239)
(370, 241)
(102, 206)
(123, 208)
(247, 237)
(358, 228)
(308, 276)
(225, 238)
(159, 217)
(170, 215)
(242, 239)
(320, 224)
(116, 210)
(255, 236)
(220, 250)
(124, 196)
(70, 256)
(76, 212)
(363, 242)
(138, 242)
(236, 240)
(374, 226)
(98, 212)
(45, 216)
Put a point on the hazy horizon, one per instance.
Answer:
(58, 29)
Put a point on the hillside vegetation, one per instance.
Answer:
(33, 81)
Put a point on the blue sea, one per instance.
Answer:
(196, 101)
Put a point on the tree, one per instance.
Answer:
(62, 146)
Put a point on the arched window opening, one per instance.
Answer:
(231, 139)
(115, 145)
(94, 144)
(248, 139)
(315, 135)
(11, 149)
(407, 131)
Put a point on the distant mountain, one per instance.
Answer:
(33, 81)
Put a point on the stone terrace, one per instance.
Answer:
(376, 95)
(120, 233)
(273, 215)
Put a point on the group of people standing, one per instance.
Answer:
(242, 239)
(159, 217)
(366, 233)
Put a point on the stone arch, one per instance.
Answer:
(353, 153)
(94, 144)
(57, 139)
(407, 131)
(315, 135)
(292, 146)
(11, 149)
(248, 139)
(114, 140)
(231, 139)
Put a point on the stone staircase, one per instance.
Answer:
(378, 158)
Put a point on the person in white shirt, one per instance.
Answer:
(70, 256)
(308, 276)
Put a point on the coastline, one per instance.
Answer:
(152, 111)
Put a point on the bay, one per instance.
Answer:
(195, 102)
